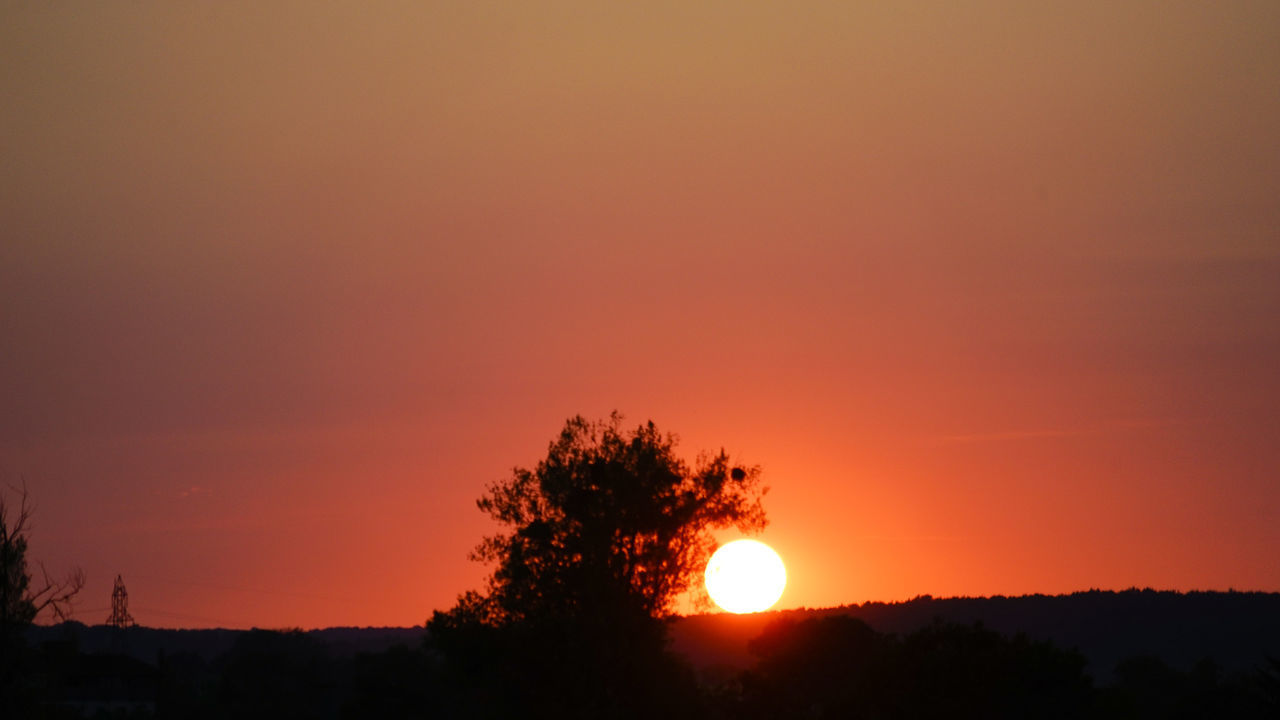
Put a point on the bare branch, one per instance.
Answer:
(19, 604)
(57, 596)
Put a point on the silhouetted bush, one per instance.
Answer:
(276, 675)
(839, 667)
(399, 684)
(561, 667)
(1148, 688)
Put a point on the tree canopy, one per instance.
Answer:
(599, 541)
(610, 520)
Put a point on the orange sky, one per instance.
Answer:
(989, 289)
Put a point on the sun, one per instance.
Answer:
(745, 576)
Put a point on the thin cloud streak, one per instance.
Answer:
(1036, 434)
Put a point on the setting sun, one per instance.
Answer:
(745, 576)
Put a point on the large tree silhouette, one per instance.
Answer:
(601, 539)
(611, 521)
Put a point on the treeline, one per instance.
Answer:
(1182, 628)
(833, 666)
(145, 643)
(1233, 629)
(838, 667)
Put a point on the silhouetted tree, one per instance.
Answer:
(838, 667)
(1148, 687)
(819, 667)
(604, 535)
(392, 685)
(1267, 683)
(609, 520)
(273, 674)
(20, 604)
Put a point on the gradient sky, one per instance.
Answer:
(991, 290)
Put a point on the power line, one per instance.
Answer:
(260, 591)
(185, 616)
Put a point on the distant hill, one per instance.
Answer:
(1234, 629)
(146, 644)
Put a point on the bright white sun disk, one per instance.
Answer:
(745, 576)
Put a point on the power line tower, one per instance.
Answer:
(120, 617)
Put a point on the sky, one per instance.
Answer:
(990, 290)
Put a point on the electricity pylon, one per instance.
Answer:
(120, 616)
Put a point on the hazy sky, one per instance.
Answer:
(991, 290)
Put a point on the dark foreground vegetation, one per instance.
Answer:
(817, 664)
(1235, 630)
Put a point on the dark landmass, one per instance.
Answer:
(146, 644)
(1095, 654)
(1233, 629)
